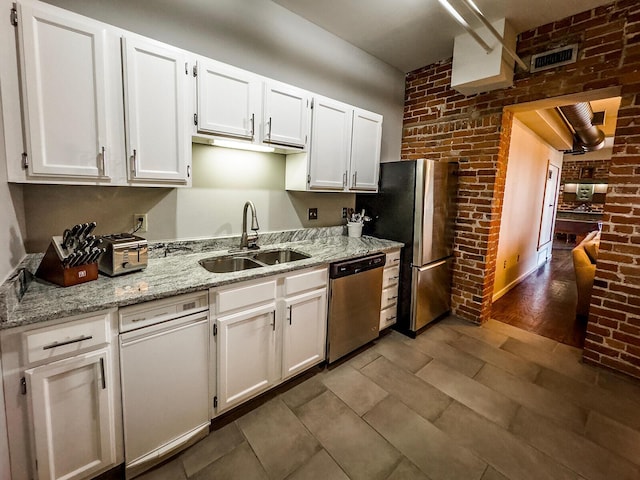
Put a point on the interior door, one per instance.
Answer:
(549, 206)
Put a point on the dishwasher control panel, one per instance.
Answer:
(158, 311)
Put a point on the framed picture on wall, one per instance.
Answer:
(586, 172)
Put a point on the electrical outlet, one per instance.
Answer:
(344, 212)
(313, 214)
(137, 217)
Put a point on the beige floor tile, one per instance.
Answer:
(614, 436)
(359, 450)
(208, 450)
(393, 348)
(407, 471)
(492, 474)
(445, 353)
(424, 444)
(304, 392)
(239, 464)
(172, 470)
(320, 467)
(359, 392)
(274, 424)
(495, 356)
(363, 359)
(440, 333)
(479, 398)
(530, 338)
(620, 385)
(559, 363)
(418, 395)
(534, 397)
(592, 397)
(505, 452)
(485, 335)
(572, 450)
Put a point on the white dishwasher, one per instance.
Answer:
(164, 355)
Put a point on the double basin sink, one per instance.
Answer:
(246, 260)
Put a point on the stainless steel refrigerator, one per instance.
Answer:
(416, 205)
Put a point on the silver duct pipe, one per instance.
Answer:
(580, 116)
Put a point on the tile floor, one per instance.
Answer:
(459, 402)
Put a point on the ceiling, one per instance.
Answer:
(409, 34)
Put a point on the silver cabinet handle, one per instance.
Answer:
(188, 171)
(344, 179)
(355, 176)
(104, 380)
(67, 342)
(273, 316)
(253, 125)
(290, 313)
(133, 162)
(102, 161)
(269, 131)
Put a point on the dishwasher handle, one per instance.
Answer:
(356, 265)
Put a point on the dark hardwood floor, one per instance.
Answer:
(545, 302)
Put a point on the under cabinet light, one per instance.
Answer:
(242, 146)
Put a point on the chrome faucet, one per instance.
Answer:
(246, 241)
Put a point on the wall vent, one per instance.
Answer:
(554, 58)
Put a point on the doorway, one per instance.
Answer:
(535, 283)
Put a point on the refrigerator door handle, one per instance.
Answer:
(432, 265)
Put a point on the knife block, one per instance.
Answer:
(52, 270)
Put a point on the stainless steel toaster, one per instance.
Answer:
(125, 253)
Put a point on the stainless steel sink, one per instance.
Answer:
(275, 257)
(246, 260)
(228, 264)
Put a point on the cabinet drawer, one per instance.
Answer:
(52, 343)
(389, 296)
(388, 317)
(246, 296)
(302, 282)
(390, 276)
(393, 259)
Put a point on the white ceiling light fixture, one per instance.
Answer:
(476, 11)
(241, 146)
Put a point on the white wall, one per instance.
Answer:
(223, 180)
(522, 207)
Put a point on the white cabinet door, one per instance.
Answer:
(228, 100)
(286, 115)
(155, 81)
(304, 332)
(246, 354)
(71, 404)
(64, 69)
(330, 144)
(365, 150)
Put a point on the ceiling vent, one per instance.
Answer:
(554, 58)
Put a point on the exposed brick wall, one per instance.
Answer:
(571, 174)
(442, 124)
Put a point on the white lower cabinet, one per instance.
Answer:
(62, 394)
(246, 354)
(266, 331)
(389, 300)
(71, 405)
(304, 332)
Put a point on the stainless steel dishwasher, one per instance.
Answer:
(354, 304)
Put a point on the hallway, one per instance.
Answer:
(544, 303)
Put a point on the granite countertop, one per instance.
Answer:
(175, 274)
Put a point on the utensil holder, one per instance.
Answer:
(52, 270)
(354, 229)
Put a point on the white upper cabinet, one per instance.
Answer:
(156, 115)
(330, 144)
(63, 84)
(286, 116)
(365, 150)
(229, 100)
